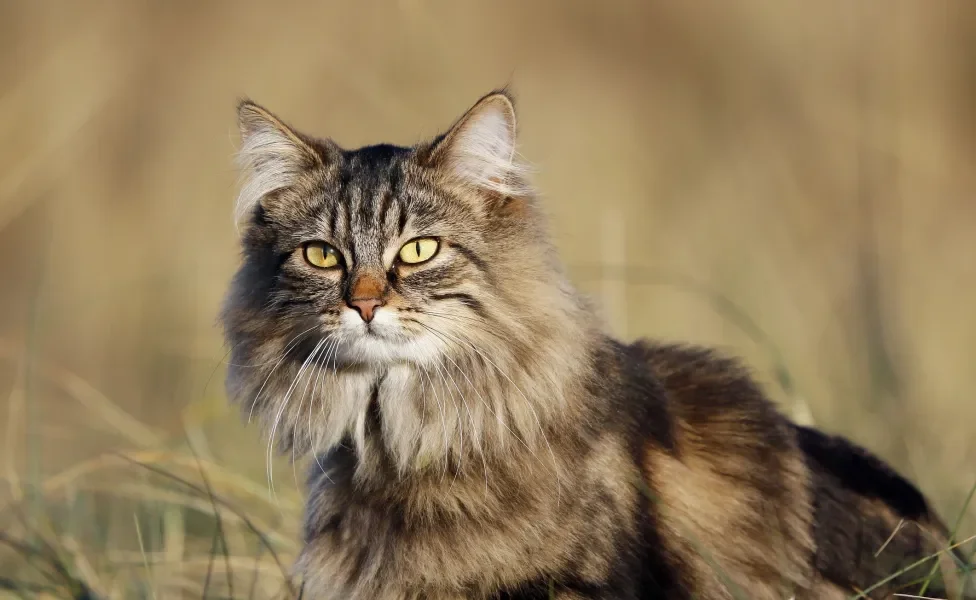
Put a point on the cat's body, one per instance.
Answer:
(401, 316)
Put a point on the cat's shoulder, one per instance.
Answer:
(713, 401)
(672, 360)
(697, 376)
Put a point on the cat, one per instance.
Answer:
(401, 317)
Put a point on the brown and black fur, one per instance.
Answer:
(483, 438)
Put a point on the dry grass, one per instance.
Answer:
(789, 181)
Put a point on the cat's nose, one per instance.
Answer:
(366, 307)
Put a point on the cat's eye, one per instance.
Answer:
(321, 255)
(419, 250)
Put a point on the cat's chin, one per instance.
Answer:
(383, 342)
(385, 346)
(376, 349)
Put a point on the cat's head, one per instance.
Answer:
(382, 257)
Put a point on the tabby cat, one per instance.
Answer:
(400, 317)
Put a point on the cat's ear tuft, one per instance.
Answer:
(479, 149)
(272, 156)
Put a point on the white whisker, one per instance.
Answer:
(335, 374)
(460, 424)
(319, 353)
(323, 369)
(440, 406)
(288, 348)
(284, 404)
(423, 411)
(475, 445)
(483, 401)
(528, 404)
(331, 349)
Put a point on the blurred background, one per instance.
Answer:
(791, 182)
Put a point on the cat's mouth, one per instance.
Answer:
(375, 348)
(382, 326)
(375, 333)
(379, 341)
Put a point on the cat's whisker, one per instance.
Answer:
(472, 319)
(331, 352)
(460, 423)
(423, 411)
(477, 441)
(443, 337)
(335, 361)
(319, 367)
(284, 403)
(323, 370)
(528, 404)
(316, 377)
(331, 347)
(288, 348)
(498, 418)
(440, 406)
(317, 354)
(485, 326)
(295, 341)
(335, 370)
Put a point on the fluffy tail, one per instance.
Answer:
(874, 529)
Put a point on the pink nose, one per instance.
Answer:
(366, 307)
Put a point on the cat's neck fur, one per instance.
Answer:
(458, 414)
(455, 519)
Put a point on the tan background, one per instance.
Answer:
(808, 163)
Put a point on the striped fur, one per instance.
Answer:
(482, 437)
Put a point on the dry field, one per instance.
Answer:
(789, 181)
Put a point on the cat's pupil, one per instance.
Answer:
(417, 244)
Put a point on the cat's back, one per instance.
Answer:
(706, 389)
(719, 413)
(745, 493)
(731, 493)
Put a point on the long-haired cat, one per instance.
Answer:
(401, 316)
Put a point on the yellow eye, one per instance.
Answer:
(419, 250)
(321, 255)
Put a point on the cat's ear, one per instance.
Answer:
(479, 149)
(272, 156)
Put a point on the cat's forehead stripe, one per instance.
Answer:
(365, 208)
(372, 197)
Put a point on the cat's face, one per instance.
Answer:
(381, 251)
(430, 256)
(381, 259)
